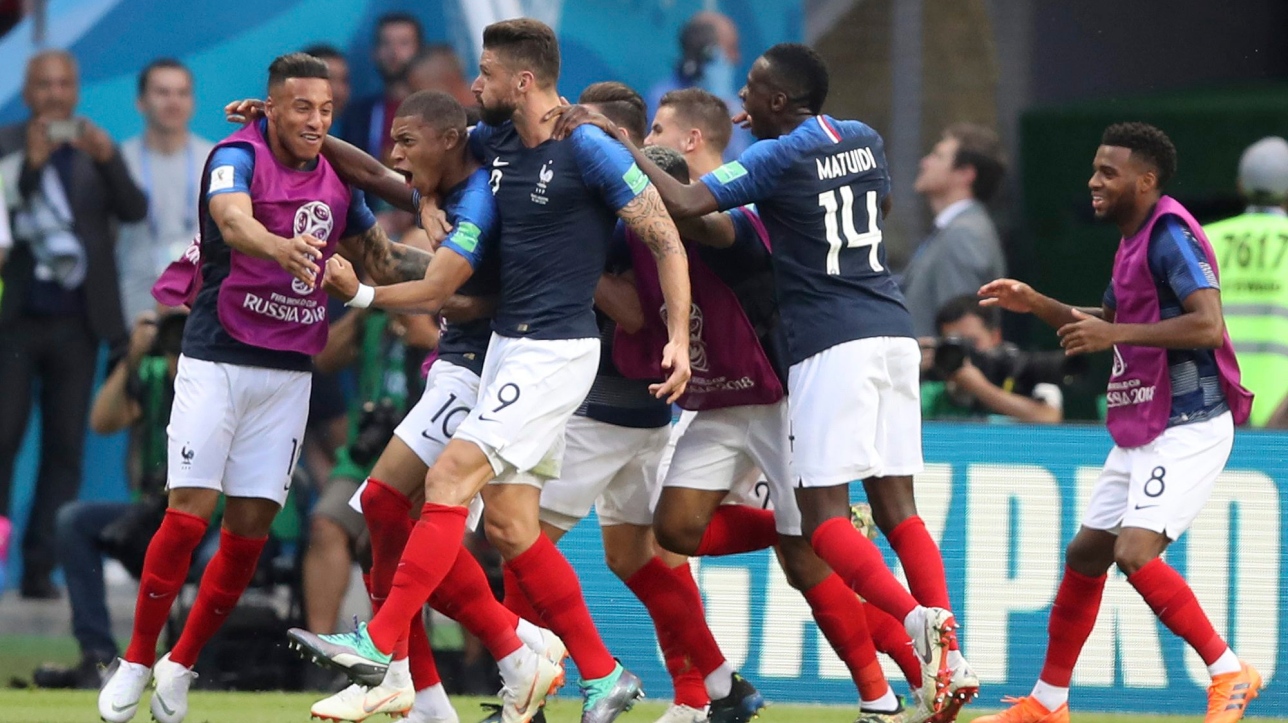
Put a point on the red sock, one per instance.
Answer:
(860, 565)
(550, 584)
(420, 658)
(516, 602)
(676, 614)
(165, 567)
(922, 564)
(1073, 617)
(840, 616)
(387, 510)
(890, 637)
(738, 528)
(422, 568)
(466, 597)
(1174, 603)
(222, 585)
(690, 685)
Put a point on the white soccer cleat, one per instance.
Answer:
(420, 716)
(122, 689)
(523, 697)
(555, 651)
(931, 643)
(683, 714)
(170, 682)
(358, 703)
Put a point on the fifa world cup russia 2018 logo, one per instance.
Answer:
(697, 345)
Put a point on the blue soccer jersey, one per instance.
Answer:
(1180, 268)
(558, 203)
(819, 191)
(471, 210)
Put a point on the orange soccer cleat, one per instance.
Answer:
(1027, 710)
(1230, 693)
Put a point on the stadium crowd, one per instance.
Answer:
(88, 225)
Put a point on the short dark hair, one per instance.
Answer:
(435, 108)
(325, 51)
(621, 104)
(801, 73)
(981, 149)
(400, 18)
(296, 65)
(530, 44)
(1147, 142)
(670, 161)
(959, 307)
(703, 109)
(145, 75)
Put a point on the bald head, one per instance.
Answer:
(51, 86)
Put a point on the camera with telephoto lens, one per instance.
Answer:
(375, 428)
(169, 338)
(1008, 366)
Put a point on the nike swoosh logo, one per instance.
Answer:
(1145, 507)
(168, 710)
(527, 703)
(497, 163)
(427, 435)
(373, 708)
(122, 708)
(486, 419)
(156, 595)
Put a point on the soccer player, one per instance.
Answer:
(557, 201)
(241, 394)
(1174, 398)
(822, 186)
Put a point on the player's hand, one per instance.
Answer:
(568, 117)
(742, 120)
(299, 255)
(340, 280)
(675, 361)
(1087, 335)
(244, 111)
(1009, 294)
(434, 220)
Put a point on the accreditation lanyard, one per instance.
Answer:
(190, 195)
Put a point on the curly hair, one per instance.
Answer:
(1147, 142)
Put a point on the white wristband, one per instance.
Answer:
(364, 297)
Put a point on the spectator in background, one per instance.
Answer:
(437, 67)
(136, 396)
(338, 66)
(66, 186)
(399, 38)
(709, 58)
(1254, 284)
(166, 162)
(957, 177)
(1006, 387)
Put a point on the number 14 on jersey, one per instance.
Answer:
(839, 219)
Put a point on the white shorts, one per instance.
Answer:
(856, 412)
(728, 449)
(610, 467)
(236, 429)
(1161, 486)
(450, 394)
(528, 391)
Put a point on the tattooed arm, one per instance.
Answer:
(647, 217)
(385, 261)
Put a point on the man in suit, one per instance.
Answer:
(399, 38)
(66, 187)
(957, 178)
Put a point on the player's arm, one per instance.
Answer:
(1021, 298)
(358, 168)
(461, 309)
(714, 229)
(1201, 326)
(385, 261)
(427, 295)
(616, 296)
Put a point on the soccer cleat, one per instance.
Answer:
(898, 715)
(742, 704)
(122, 689)
(556, 652)
(350, 653)
(522, 698)
(1230, 693)
(494, 715)
(610, 696)
(170, 682)
(931, 644)
(920, 712)
(962, 689)
(1027, 710)
(357, 703)
(861, 518)
(683, 714)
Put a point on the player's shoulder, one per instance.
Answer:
(493, 137)
(1174, 229)
(589, 139)
(474, 197)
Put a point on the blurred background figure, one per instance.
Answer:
(341, 90)
(165, 161)
(1254, 280)
(959, 175)
(709, 59)
(438, 67)
(399, 37)
(66, 187)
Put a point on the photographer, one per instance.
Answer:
(136, 395)
(982, 375)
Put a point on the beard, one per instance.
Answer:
(497, 114)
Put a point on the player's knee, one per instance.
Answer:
(1090, 553)
(625, 563)
(802, 568)
(1131, 556)
(510, 536)
(678, 535)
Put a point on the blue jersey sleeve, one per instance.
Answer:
(474, 224)
(1176, 258)
(1109, 301)
(751, 178)
(746, 234)
(359, 219)
(478, 138)
(607, 167)
(230, 170)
